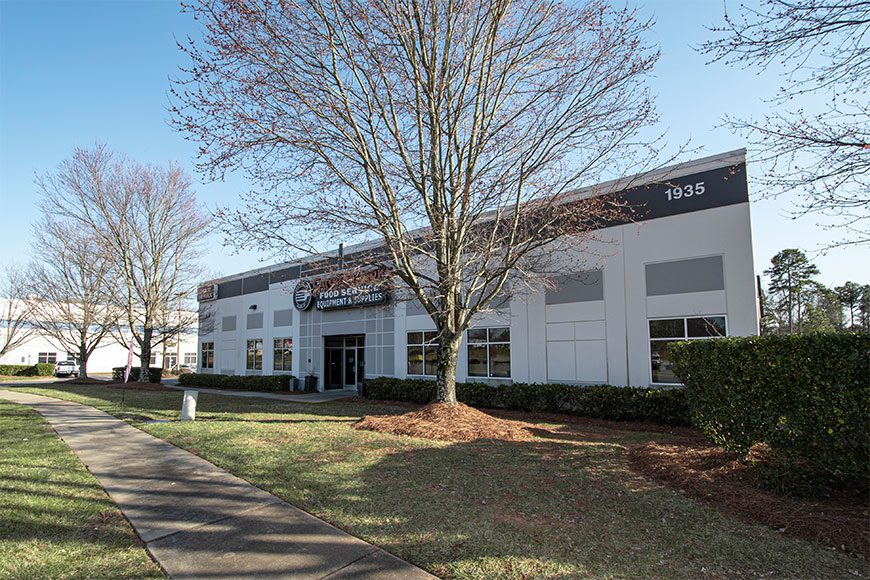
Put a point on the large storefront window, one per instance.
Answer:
(663, 332)
(489, 352)
(255, 355)
(422, 353)
(208, 355)
(283, 360)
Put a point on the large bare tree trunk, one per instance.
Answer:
(83, 355)
(445, 380)
(145, 355)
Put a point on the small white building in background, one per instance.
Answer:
(42, 348)
(681, 269)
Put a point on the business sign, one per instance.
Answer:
(351, 297)
(206, 293)
(326, 295)
(303, 295)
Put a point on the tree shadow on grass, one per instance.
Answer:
(540, 508)
(547, 507)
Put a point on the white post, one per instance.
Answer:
(188, 407)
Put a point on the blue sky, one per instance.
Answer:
(72, 73)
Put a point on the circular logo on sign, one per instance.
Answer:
(303, 295)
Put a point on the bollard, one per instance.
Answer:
(188, 407)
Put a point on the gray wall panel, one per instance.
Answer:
(255, 320)
(581, 287)
(356, 327)
(343, 315)
(681, 276)
(282, 318)
(228, 323)
(388, 366)
(229, 289)
(258, 283)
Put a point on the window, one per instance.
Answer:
(666, 331)
(255, 355)
(283, 360)
(170, 360)
(489, 352)
(190, 358)
(73, 357)
(153, 361)
(47, 357)
(208, 355)
(423, 353)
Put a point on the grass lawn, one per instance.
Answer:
(564, 505)
(55, 519)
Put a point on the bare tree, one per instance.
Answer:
(17, 309)
(825, 154)
(69, 287)
(450, 131)
(147, 219)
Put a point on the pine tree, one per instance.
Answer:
(791, 274)
(823, 311)
(864, 308)
(850, 295)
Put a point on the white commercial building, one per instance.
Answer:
(682, 268)
(40, 347)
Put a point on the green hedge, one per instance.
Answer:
(37, 370)
(155, 375)
(666, 406)
(237, 382)
(806, 396)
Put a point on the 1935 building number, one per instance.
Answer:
(685, 191)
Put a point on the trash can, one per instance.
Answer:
(310, 383)
(361, 387)
(294, 384)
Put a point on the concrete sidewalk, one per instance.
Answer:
(199, 521)
(319, 397)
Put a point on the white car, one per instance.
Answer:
(66, 368)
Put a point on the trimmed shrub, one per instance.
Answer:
(666, 406)
(37, 370)
(44, 369)
(806, 396)
(154, 374)
(266, 383)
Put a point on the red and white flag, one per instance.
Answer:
(129, 361)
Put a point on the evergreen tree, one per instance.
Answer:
(771, 322)
(791, 275)
(823, 311)
(864, 308)
(850, 295)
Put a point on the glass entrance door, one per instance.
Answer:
(334, 367)
(345, 361)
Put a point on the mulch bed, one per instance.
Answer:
(523, 416)
(84, 381)
(446, 422)
(711, 475)
(140, 387)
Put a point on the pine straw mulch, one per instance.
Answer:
(136, 386)
(447, 422)
(84, 381)
(712, 475)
